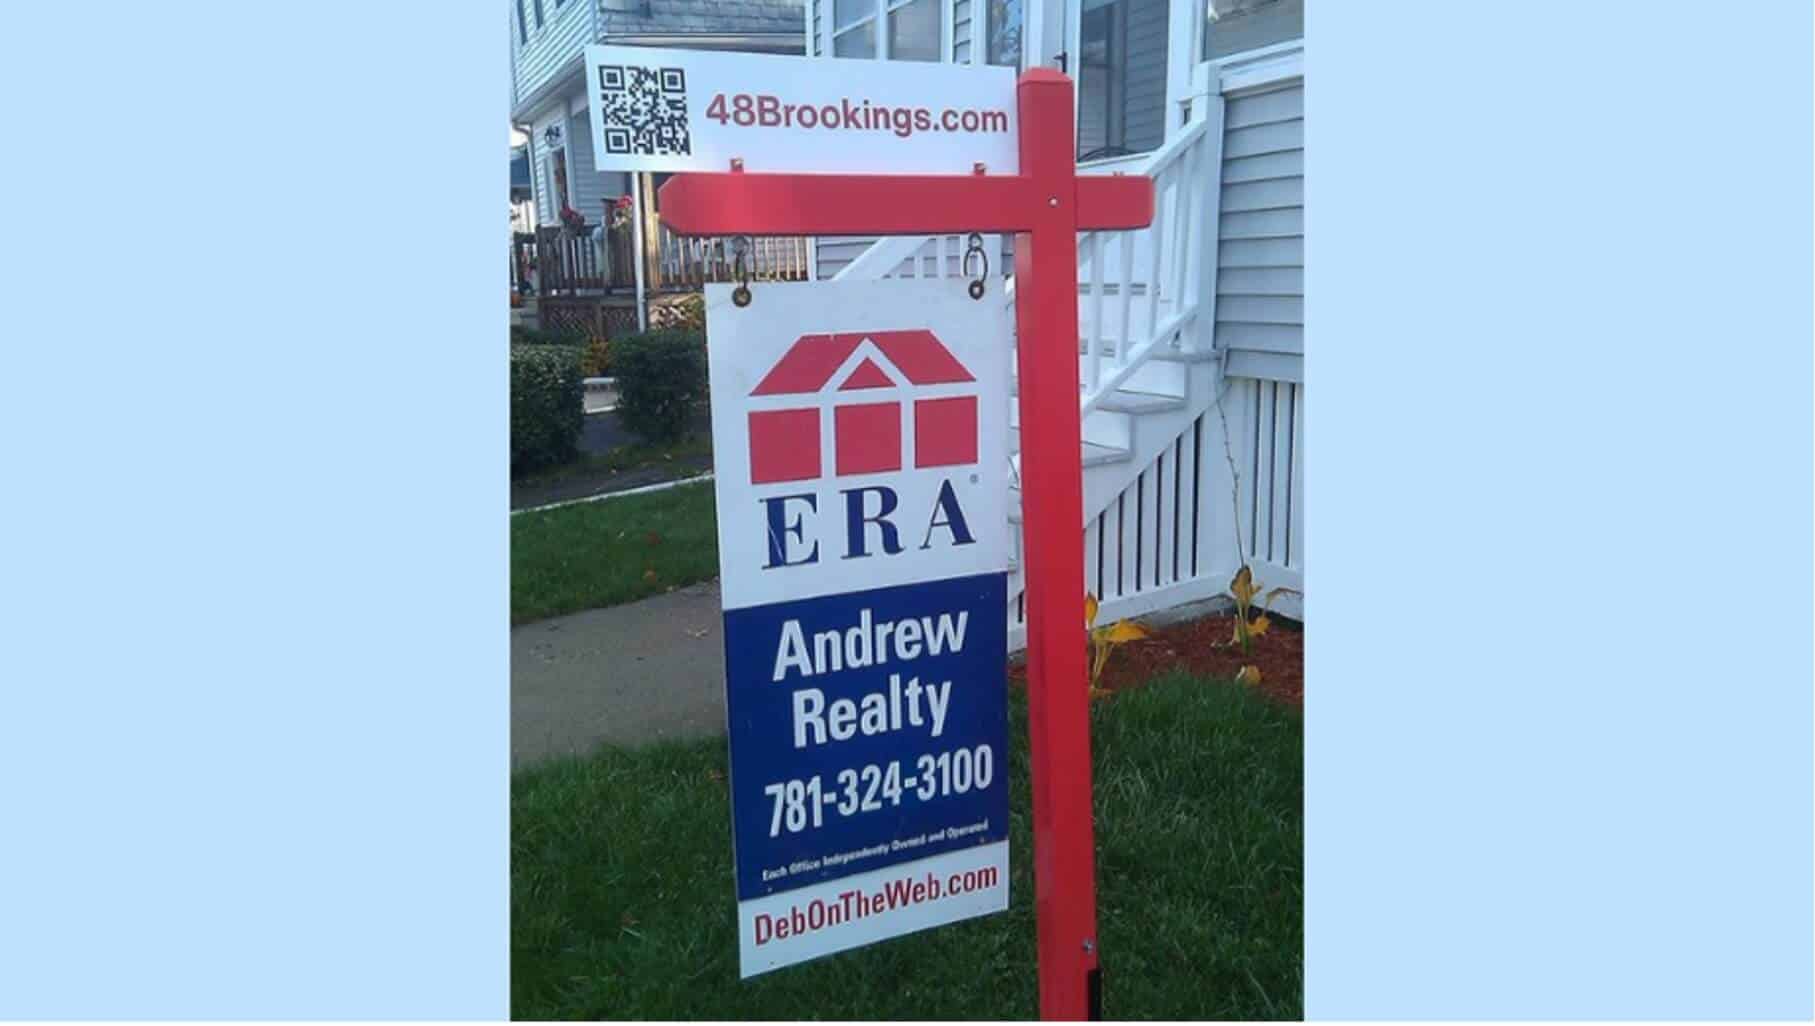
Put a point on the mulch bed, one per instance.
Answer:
(1200, 647)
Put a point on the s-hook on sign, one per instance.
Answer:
(697, 110)
(860, 438)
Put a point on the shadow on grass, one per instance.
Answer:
(623, 908)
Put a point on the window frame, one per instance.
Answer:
(522, 25)
(541, 16)
(878, 16)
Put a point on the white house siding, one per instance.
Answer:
(1260, 243)
(587, 188)
(566, 29)
(591, 188)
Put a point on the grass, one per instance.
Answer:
(622, 902)
(645, 455)
(602, 553)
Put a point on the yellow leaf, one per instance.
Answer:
(1260, 625)
(1125, 630)
(1090, 610)
(1242, 586)
(1098, 694)
(1249, 675)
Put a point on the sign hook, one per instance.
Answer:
(974, 248)
(740, 270)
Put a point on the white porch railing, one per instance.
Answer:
(1143, 289)
(1140, 290)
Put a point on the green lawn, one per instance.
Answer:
(602, 553)
(622, 901)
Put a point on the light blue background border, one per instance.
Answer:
(253, 699)
(253, 691)
(1558, 717)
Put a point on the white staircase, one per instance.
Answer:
(1162, 505)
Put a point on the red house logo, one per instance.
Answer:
(867, 426)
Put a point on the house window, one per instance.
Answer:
(914, 29)
(538, 13)
(522, 23)
(1237, 25)
(854, 28)
(1003, 32)
(1121, 77)
(903, 30)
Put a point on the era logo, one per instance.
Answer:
(870, 433)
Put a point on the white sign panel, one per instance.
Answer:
(696, 110)
(860, 446)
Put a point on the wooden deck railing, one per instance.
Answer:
(688, 263)
(570, 261)
(561, 261)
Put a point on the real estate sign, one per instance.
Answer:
(860, 437)
(698, 110)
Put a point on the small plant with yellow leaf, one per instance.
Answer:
(1103, 640)
(1243, 588)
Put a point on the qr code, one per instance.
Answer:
(645, 110)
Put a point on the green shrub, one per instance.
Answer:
(661, 375)
(546, 405)
(521, 336)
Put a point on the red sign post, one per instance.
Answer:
(1045, 205)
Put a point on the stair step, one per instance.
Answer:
(1097, 455)
(1093, 456)
(1127, 401)
(1166, 353)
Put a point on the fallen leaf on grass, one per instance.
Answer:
(649, 576)
(653, 538)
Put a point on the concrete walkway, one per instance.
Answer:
(630, 674)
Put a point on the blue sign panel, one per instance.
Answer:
(868, 729)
